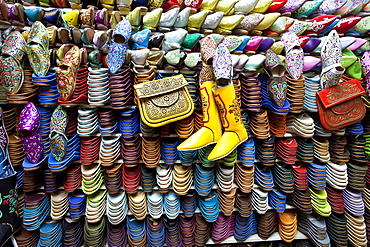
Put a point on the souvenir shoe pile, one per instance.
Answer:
(186, 124)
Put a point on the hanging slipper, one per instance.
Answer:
(293, 54)
(277, 83)
(11, 71)
(117, 51)
(331, 58)
(66, 73)
(58, 139)
(38, 49)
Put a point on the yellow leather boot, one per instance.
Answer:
(235, 132)
(212, 130)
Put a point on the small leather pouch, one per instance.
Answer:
(164, 101)
(341, 105)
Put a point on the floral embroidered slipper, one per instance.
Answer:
(38, 49)
(331, 58)
(293, 54)
(117, 51)
(58, 139)
(66, 73)
(11, 71)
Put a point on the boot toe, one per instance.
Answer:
(200, 139)
(227, 143)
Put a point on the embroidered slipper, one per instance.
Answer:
(11, 71)
(293, 54)
(58, 139)
(331, 58)
(117, 51)
(66, 73)
(38, 49)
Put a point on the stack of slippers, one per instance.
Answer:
(225, 177)
(259, 124)
(263, 177)
(193, 87)
(131, 150)
(337, 229)
(268, 224)
(356, 175)
(356, 228)
(59, 204)
(283, 177)
(209, 206)
(48, 89)
(72, 178)
(110, 150)
(77, 205)
(336, 175)
(286, 150)
(202, 230)
(187, 158)
(288, 225)
(244, 177)
(337, 149)
(26, 238)
(51, 233)
(319, 202)
(353, 202)
(15, 150)
(265, 151)
(172, 228)
(72, 121)
(169, 151)
(305, 149)
(137, 205)
(20, 204)
(11, 116)
(182, 179)
(223, 228)
(171, 205)
(52, 181)
(155, 232)
(117, 235)
(335, 199)
(96, 206)
(312, 83)
(108, 123)
(121, 88)
(231, 158)
(315, 229)
(98, 87)
(187, 229)
(117, 207)
(92, 178)
(144, 74)
(189, 204)
(72, 232)
(321, 149)
(155, 204)
(79, 95)
(278, 124)
(243, 203)
(113, 178)
(320, 130)
(296, 93)
(226, 201)
(300, 177)
(301, 199)
(151, 151)
(87, 121)
(147, 178)
(316, 175)
(164, 177)
(204, 179)
(94, 233)
(36, 209)
(89, 149)
(203, 154)
(185, 127)
(146, 130)
(129, 122)
(131, 178)
(245, 227)
(277, 200)
(260, 201)
(356, 145)
(301, 125)
(251, 97)
(247, 152)
(31, 181)
(27, 92)
(198, 120)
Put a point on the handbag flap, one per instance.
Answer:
(161, 86)
(340, 93)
